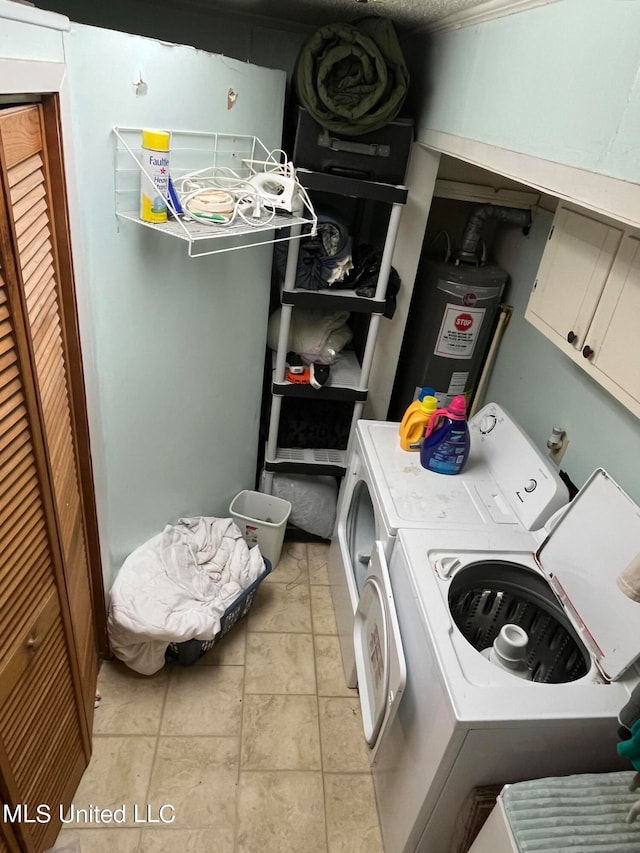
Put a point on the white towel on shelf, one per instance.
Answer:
(561, 814)
(176, 587)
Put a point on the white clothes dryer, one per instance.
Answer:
(461, 721)
(386, 489)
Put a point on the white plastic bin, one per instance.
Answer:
(262, 520)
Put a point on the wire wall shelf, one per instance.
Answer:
(191, 152)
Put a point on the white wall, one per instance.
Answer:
(549, 97)
(560, 82)
(420, 179)
(179, 342)
(28, 33)
(238, 36)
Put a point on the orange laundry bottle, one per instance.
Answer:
(416, 419)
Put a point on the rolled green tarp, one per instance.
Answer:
(351, 78)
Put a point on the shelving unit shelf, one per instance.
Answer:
(349, 376)
(192, 151)
(296, 460)
(352, 187)
(343, 382)
(333, 300)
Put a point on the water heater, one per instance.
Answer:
(452, 316)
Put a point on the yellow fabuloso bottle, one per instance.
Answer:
(416, 419)
(154, 182)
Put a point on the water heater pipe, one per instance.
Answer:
(503, 320)
(473, 228)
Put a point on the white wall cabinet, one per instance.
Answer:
(586, 299)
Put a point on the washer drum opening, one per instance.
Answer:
(486, 595)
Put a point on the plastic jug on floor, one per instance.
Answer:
(416, 419)
(445, 448)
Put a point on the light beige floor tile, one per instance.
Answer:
(279, 663)
(204, 700)
(228, 650)
(329, 668)
(292, 565)
(118, 774)
(352, 819)
(97, 841)
(280, 733)
(317, 556)
(131, 703)
(280, 813)
(218, 840)
(197, 776)
(281, 608)
(324, 619)
(281, 800)
(343, 744)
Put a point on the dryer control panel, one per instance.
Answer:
(533, 489)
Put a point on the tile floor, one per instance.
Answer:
(258, 747)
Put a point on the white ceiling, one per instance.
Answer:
(407, 14)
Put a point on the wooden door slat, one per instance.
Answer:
(44, 582)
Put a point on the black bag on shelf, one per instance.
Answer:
(323, 260)
(364, 277)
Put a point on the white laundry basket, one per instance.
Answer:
(262, 520)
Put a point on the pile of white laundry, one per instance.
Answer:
(176, 587)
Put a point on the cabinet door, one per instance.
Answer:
(613, 336)
(29, 214)
(43, 751)
(572, 273)
(8, 843)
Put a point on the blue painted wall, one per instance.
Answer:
(179, 342)
(560, 82)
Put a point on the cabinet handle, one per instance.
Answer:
(587, 352)
(571, 337)
(33, 643)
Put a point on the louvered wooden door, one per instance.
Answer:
(42, 753)
(48, 657)
(8, 843)
(30, 214)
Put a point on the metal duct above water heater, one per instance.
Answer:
(452, 317)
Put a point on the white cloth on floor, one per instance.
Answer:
(176, 587)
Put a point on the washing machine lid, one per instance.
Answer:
(595, 540)
(380, 662)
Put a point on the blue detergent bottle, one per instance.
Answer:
(445, 448)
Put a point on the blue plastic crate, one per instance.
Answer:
(187, 653)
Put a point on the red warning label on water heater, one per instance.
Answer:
(459, 331)
(463, 322)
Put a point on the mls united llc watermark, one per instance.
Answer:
(133, 813)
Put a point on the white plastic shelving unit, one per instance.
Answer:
(192, 151)
(349, 378)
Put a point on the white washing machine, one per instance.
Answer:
(386, 489)
(458, 721)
